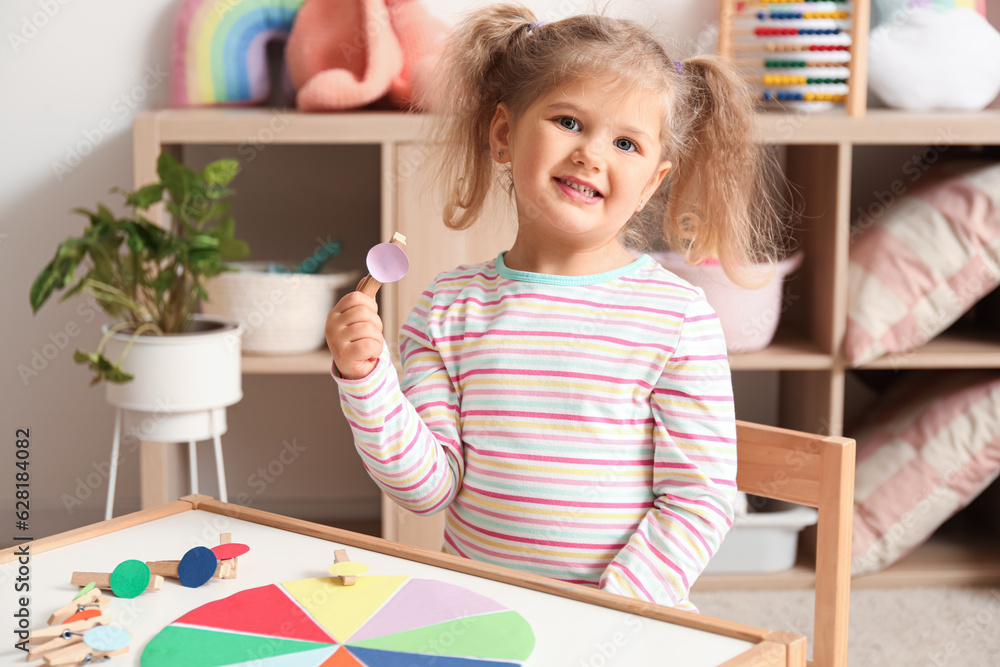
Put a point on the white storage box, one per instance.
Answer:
(281, 313)
(765, 540)
(749, 317)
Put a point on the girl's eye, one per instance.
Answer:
(625, 145)
(568, 123)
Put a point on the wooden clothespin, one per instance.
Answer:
(68, 634)
(345, 568)
(228, 552)
(53, 631)
(200, 564)
(95, 645)
(129, 579)
(387, 265)
(86, 606)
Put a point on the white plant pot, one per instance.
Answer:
(183, 382)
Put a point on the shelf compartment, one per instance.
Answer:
(951, 349)
(789, 350)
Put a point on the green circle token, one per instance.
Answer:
(130, 578)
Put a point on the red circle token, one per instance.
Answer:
(231, 550)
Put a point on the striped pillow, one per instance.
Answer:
(928, 259)
(927, 450)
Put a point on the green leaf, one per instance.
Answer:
(163, 282)
(233, 249)
(225, 229)
(145, 196)
(204, 241)
(47, 282)
(221, 172)
(102, 368)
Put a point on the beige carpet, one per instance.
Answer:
(914, 627)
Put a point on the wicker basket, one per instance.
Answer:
(749, 317)
(281, 313)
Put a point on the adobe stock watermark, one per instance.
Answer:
(121, 110)
(31, 25)
(267, 474)
(280, 120)
(967, 631)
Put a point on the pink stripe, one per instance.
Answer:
(586, 523)
(549, 502)
(521, 334)
(530, 540)
(598, 306)
(553, 374)
(554, 566)
(524, 456)
(557, 417)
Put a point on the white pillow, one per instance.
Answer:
(923, 59)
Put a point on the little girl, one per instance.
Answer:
(569, 404)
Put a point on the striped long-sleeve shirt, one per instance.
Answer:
(580, 428)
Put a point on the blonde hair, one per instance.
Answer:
(715, 200)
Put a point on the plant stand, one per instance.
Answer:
(183, 384)
(207, 424)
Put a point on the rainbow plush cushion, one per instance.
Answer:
(220, 50)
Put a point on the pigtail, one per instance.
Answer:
(720, 197)
(469, 85)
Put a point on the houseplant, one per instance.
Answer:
(174, 372)
(148, 278)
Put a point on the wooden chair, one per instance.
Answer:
(817, 471)
(804, 468)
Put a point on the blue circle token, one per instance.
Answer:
(197, 567)
(106, 638)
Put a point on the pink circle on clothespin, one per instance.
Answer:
(387, 263)
(230, 550)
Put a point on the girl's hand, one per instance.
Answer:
(354, 335)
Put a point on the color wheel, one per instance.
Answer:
(378, 622)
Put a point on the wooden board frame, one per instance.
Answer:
(771, 649)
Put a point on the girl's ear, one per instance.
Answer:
(500, 134)
(654, 182)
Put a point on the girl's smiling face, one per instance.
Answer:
(583, 158)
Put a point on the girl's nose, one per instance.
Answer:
(590, 153)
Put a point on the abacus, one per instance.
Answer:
(810, 54)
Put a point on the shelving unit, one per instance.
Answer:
(806, 353)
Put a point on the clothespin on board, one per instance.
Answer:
(345, 568)
(57, 637)
(129, 579)
(53, 631)
(387, 263)
(227, 552)
(200, 564)
(88, 605)
(95, 645)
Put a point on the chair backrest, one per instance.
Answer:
(817, 471)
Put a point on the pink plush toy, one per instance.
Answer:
(344, 54)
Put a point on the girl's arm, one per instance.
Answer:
(694, 470)
(408, 436)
